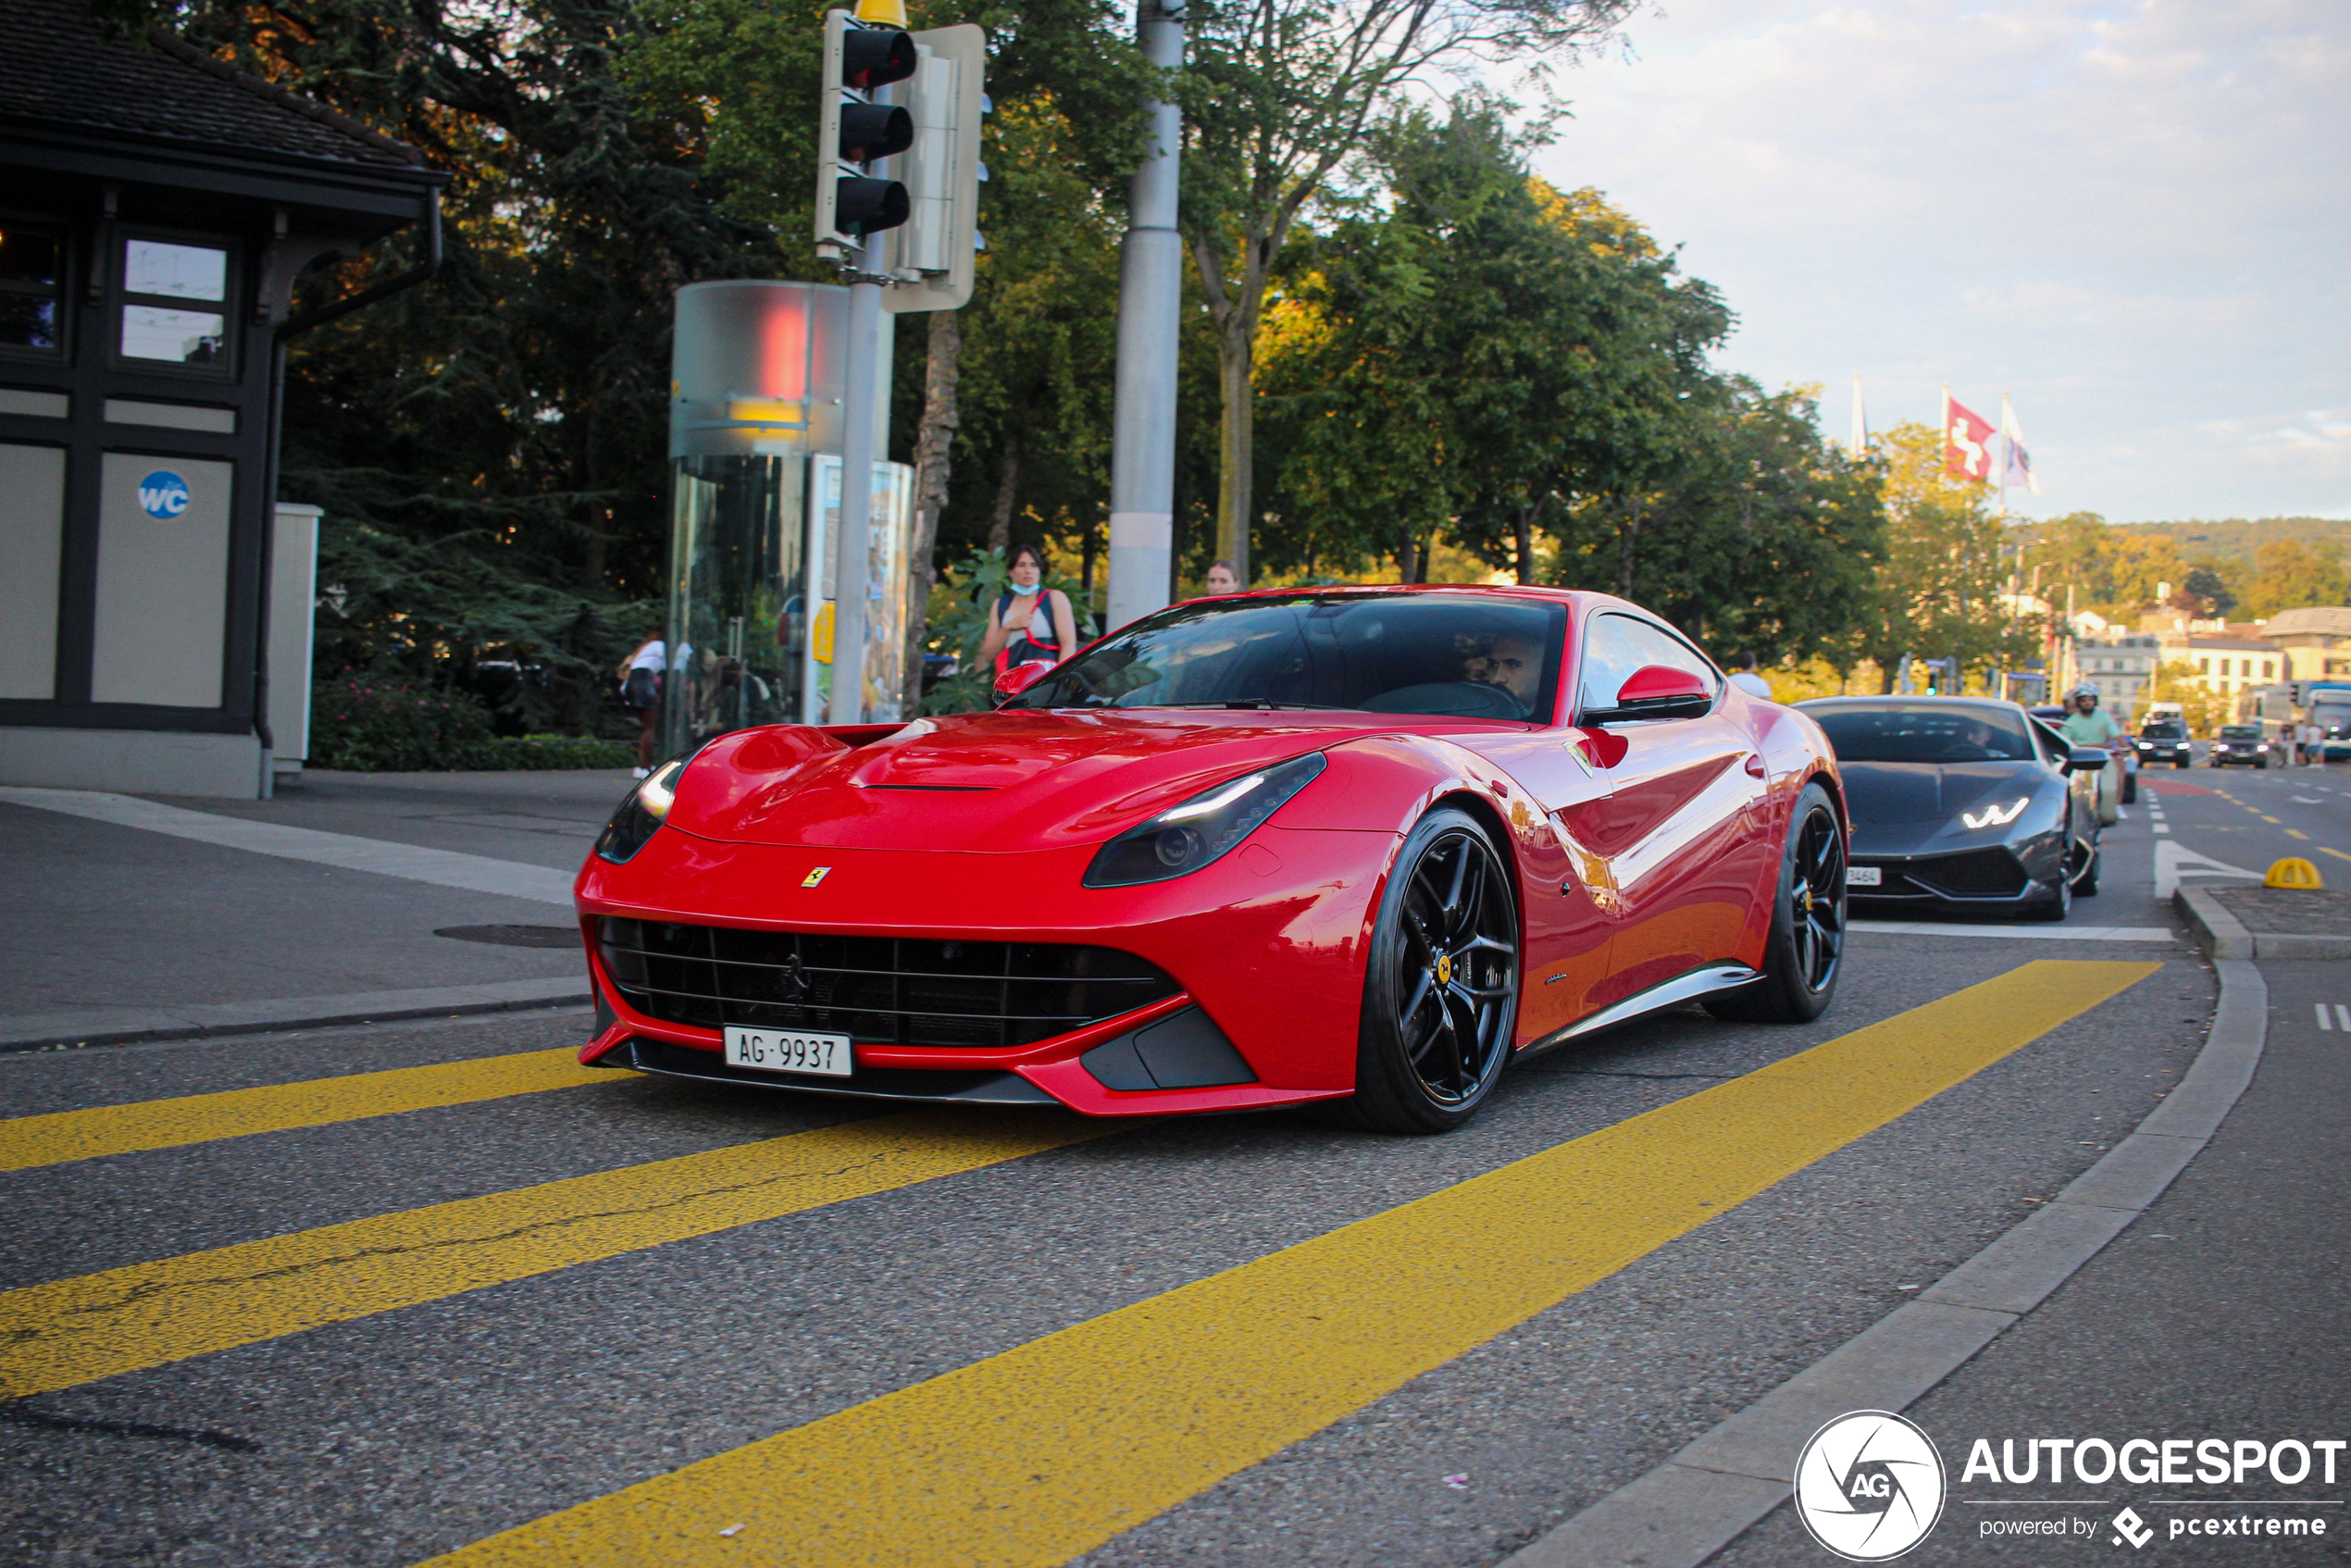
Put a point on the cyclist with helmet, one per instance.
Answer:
(2087, 724)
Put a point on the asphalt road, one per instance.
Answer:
(546, 1289)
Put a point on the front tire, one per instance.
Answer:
(1441, 995)
(1804, 953)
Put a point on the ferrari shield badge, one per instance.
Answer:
(815, 876)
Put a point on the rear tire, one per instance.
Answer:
(1440, 993)
(1804, 953)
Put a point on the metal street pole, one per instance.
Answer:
(1150, 286)
(852, 532)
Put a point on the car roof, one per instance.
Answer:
(1999, 704)
(1390, 589)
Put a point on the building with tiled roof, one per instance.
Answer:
(156, 207)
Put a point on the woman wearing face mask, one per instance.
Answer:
(1031, 624)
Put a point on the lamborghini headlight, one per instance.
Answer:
(1997, 815)
(643, 809)
(1184, 837)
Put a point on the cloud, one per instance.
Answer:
(2127, 217)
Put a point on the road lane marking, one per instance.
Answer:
(27, 1141)
(96, 1326)
(2337, 853)
(447, 868)
(2056, 932)
(1040, 1453)
(2297, 833)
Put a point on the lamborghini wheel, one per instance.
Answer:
(1805, 949)
(1440, 997)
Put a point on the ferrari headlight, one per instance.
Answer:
(1996, 816)
(1184, 837)
(643, 809)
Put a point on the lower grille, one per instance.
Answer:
(879, 991)
(1977, 874)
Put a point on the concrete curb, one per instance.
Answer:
(2222, 935)
(111, 1026)
(1706, 1496)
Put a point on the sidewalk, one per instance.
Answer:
(119, 930)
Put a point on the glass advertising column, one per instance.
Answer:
(754, 413)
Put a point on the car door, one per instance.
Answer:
(1686, 826)
(1569, 894)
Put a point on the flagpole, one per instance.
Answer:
(1860, 421)
(2004, 458)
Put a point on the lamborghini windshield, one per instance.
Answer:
(1917, 732)
(1461, 655)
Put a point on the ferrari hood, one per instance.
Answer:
(998, 781)
(1908, 791)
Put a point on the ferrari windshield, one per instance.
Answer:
(1462, 655)
(1917, 732)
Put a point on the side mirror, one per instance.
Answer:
(1019, 678)
(1658, 691)
(2086, 759)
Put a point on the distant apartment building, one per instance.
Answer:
(2312, 644)
(2120, 665)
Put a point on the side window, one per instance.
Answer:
(1615, 646)
(173, 306)
(31, 279)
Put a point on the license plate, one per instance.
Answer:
(1863, 877)
(788, 1051)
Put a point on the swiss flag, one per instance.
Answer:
(1967, 442)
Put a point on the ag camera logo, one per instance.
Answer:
(1869, 1486)
(163, 496)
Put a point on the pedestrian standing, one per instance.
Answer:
(1746, 680)
(640, 690)
(1032, 624)
(1222, 579)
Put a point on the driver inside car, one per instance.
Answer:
(1511, 663)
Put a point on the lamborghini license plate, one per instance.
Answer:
(788, 1051)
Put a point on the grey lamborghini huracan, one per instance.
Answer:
(1961, 804)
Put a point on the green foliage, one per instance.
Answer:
(2291, 575)
(1937, 595)
(374, 724)
(362, 723)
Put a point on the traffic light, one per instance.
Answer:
(853, 132)
(931, 257)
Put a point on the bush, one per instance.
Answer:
(372, 724)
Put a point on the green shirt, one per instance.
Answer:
(2095, 728)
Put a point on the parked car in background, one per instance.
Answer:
(2242, 745)
(1962, 803)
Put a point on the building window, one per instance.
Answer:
(32, 265)
(2268, 669)
(174, 304)
(2204, 666)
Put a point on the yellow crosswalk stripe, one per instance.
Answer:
(27, 1141)
(97, 1325)
(1043, 1452)
(2337, 853)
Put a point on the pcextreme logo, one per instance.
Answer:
(1869, 1486)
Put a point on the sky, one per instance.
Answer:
(2132, 219)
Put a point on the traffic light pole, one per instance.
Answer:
(1150, 286)
(852, 530)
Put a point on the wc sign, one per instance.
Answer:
(163, 496)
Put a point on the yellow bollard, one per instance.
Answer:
(2292, 872)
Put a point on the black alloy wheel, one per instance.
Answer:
(1440, 997)
(1805, 953)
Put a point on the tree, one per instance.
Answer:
(1937, 595)
(2290, 575)
(2206, 589)
(1278, 97)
